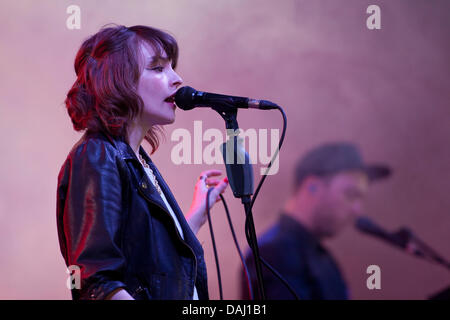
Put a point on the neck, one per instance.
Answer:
(300, 211)
(136, 134)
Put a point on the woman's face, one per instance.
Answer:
(157, 82)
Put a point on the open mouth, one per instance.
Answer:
(170, 99)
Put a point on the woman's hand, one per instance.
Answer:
(197, 216)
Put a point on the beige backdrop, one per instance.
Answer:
(387, 90)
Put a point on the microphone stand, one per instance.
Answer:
(407, 240)
(404, 239)
(240, 176)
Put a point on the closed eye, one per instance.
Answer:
(158, 68)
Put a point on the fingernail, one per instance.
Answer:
(225, 179)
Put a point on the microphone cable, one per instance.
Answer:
(216, 257)
(241, 256)
(244, 265)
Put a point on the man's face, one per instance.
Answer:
(340, 201)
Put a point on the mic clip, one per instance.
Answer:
(229, 113)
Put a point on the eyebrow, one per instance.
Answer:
(157, 59)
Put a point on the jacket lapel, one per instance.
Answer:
(144, 185)
(147, 188)
(189, 236)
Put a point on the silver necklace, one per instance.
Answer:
(145, 164)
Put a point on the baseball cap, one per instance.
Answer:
(331, 158)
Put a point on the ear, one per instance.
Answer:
(312, 188)
(313, 184)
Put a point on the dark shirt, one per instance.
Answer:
(300, 258)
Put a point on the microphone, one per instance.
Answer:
(188, 98)
(365, 225)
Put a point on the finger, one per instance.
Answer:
(211, 173)
(215, 194)
(220, 188)
(212, 181)
(211, 185)
(205, 183)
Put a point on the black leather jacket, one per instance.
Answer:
(113, 224)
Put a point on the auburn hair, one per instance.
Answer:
(108, 66)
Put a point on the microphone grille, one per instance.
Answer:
(184, 98)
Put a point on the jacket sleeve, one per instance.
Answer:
(92, 219)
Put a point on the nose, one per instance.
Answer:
(176, 80)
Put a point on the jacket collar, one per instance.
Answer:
(123, 147)
(118, 142)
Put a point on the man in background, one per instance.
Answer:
(330, 184)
